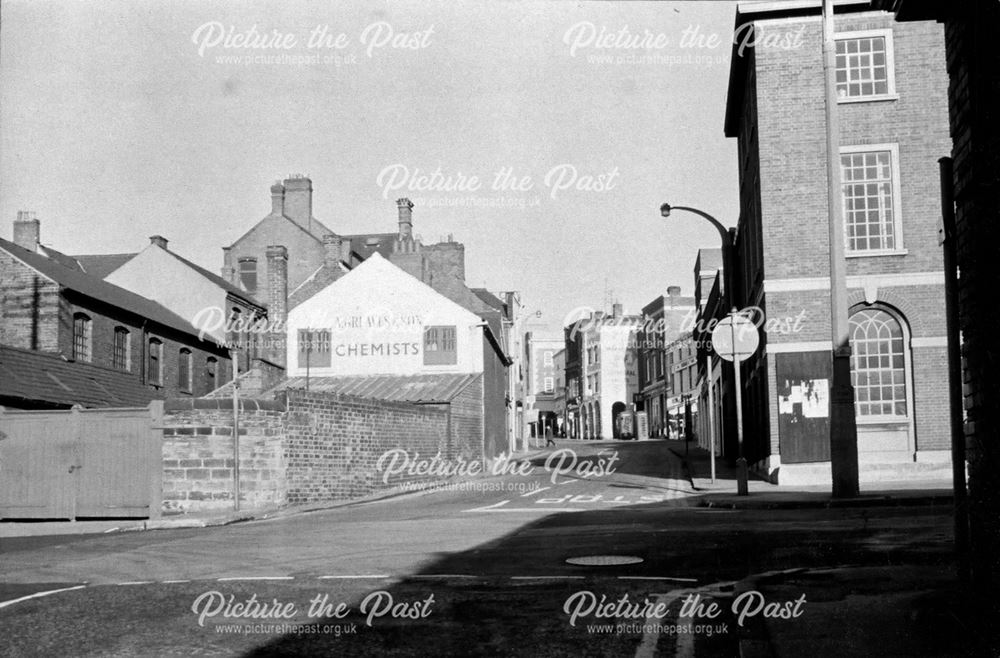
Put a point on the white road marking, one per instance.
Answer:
(38, 595)
(679, 580)
(488, 507)
(232, 578)
(172, 582)
(536, 510)
(136, 582)
(532, 493)
(547, 577)
(373, 576)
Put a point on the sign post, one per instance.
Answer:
(735, 339)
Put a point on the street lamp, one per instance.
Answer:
(728, 236)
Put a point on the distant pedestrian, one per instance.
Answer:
(548, 437)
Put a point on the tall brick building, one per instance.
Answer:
(893, 126)
(973, 62)
(664, 321)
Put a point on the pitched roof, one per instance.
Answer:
(418, 389)
(101, 290)
(61, 258)
(51, 380)
(489, 298)
(101, 265)
(218, 280)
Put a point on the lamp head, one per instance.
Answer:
(665, 210)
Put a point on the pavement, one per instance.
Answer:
(903, 609)
(722, 492)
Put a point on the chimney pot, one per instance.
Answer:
(27, 230)
(158, 240)
(673, 291)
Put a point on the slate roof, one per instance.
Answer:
(49, 379)
(218, 280)
(101, 265)
(100, 290)
(418, 389)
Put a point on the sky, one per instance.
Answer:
(121, 120)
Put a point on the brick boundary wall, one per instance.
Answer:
(334, 442)
(306, 447)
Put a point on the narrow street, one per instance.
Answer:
(478, 569)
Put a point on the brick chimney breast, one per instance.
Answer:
(158, 240)
(27, 230)
(277, 198)
(298, 200)
(405, 207)
(332, 249)
(277, 298)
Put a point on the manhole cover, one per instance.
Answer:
(604, 560)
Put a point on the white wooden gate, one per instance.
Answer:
(81, 463)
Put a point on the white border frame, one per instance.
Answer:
(890, 65)
(897, 200)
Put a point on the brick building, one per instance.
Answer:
(973, 63)
(893, 122)
(664, 321)
(315, 256)
(105, 338)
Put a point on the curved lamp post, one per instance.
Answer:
(728, 297)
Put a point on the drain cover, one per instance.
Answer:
(604, 560)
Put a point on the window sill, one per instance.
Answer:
(868, 99)
(873, 254)
(883, 422)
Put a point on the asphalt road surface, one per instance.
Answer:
(604, 552)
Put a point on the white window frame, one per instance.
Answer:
(907, 375)
(890, 65)
(897, 201)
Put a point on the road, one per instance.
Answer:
(475, 570)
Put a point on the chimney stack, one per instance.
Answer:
(298, 204)
(616, 311)
(332, 249)
(27, 230)
(673, 291)
(158, 240)
(345, 252)
(405, 219)
(277, 199)
(277, 298)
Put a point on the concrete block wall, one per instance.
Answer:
(198, 455)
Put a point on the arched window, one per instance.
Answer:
(211, 364)
(878, 365)
(82, 337)
(154, 370)
(184, 370)
(121, 358)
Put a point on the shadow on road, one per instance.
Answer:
(510, 596)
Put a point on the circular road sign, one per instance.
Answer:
(735, 338)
